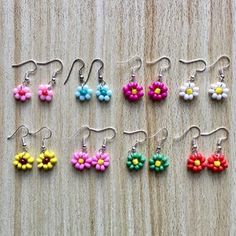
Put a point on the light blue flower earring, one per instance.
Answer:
(103, 92)
(83, 91)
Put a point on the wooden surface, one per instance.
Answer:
(117, 202)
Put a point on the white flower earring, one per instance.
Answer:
(219, 90)
(188, 91)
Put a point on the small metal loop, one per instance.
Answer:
(188, 130)
(100, 70)
(81, 77)
(219, 142)
(134, 68)
(164, 68)
(135, 132)
(29, 72)
(163, 139)
(197, 70)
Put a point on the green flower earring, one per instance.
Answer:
(136, 160)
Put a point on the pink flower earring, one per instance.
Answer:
(133, 91)
(158, 90)
(22, 92)
(45, 91)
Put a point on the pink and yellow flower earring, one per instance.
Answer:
(216, 162)
(22, 92)
(133, 91)
(23, 160)
(45, 91)
(46, 159)
(219, 91)
(83, 91)
(136, 160)
(188, 91)
(158, 90)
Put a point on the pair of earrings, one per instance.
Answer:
(83, 91)
(158, 90)
(45, 91)
(158, 161)
(217, 90)
(197, 162)
(24, 161)
(81, 160)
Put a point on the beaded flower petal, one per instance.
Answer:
(218, 91)
(135, 161)
(83, 93)
(22, 93)
(158, 162)
(133, 91)
(158, 91)
(103, 93)
(81, 160)
(188, 91)
(46, 160)
(45, 92)
(217, 162)
(101, 161)
(196, 162)
(23, 161)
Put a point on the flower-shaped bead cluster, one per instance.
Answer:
(135, 161)
(83, 93)
(158, 91)
(81, 160)
(196, 162)
(22, 93)
(133, 91)
(101, 161)
(103, 93)
(23, 161)
(217, 162)
(158, 162)
(46, 160)
(188, 91)
(45, 92)
(218, 91)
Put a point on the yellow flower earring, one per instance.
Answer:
(23, 160)
(46, 159)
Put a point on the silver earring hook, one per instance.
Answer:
(29, 72)
(100, 70)
(43, 147)
(137, 141)
(197, 70)
(22, 137)
(163, 139)
(81, 69)
(164, 68)
(59, 71)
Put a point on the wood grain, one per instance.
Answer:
(65, 202)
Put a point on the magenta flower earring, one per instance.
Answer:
(133, 91)
(22, 92)
(45, 91)
(158, 90)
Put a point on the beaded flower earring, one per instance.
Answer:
(189, 90)
(23, 160)
(46, 159)
(136, 160)
(103, 92)
(217, 162)
(158, 161)
(158, 90)
(133, 91)
(219, 90)
(196, 161)
(22, 92)
(83, 91)
(45, 91)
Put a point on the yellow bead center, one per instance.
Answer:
(81, 161)
(217, 163)
(134, 91)
(157, 91)
(100, 162)
(158, 163)
(135, 161)
(219, 90)
(197, 163)
(189, 91)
